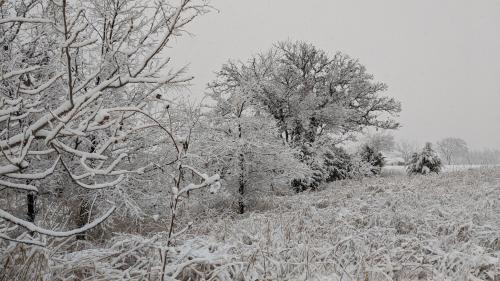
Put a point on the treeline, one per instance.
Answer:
(453, 151)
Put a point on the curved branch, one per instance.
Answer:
(29, 242)
(22, 186)
(34, 228)
(36, 176)
(101, 185)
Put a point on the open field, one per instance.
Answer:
(437, 227)
(401, 170)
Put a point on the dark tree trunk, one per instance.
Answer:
(31, 202)
(241, 188)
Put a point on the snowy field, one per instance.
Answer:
(438, 227)
(446, 168)
(435, 227)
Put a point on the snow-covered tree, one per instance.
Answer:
(380, 141)
(338, 164)
(314, 98)
(406, 149)
(309, 93)
(451, 149)
(425, 162)
(77, 79)
(255, 157)
(372, 157)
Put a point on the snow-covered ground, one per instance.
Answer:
(435, 227)
(395, 227)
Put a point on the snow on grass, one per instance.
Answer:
(436, 227)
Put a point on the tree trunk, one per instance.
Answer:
(241, 188)
(31, 202)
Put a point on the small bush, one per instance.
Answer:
(424, 162)
(302, 184)
(316, 176)
(338, 164)
(373, 157)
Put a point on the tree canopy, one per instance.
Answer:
(308, 92)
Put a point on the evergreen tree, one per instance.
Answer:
(424, 162)
(338, 164)
(372, 157)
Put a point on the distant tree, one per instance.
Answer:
(484, 157)
(380, 141)
(424, 162)
(406, 150)
(451, 149)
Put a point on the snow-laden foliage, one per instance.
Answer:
(77, 87)
(314, 98)
(123, 257)
(330, 163)
(425, 162)
(372, 157)
(308, 92)
(247, 149)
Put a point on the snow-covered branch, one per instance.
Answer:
(24, 19)
(34, 228)
(13, 73)
(73, 97)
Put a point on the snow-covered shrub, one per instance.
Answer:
(424, 162)
(359, 168)
(335, 163)
(78, 101)
(338, 164)
(306, 183)
(311, 157)
(372, 157)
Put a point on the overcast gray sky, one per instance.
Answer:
(440, 58)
